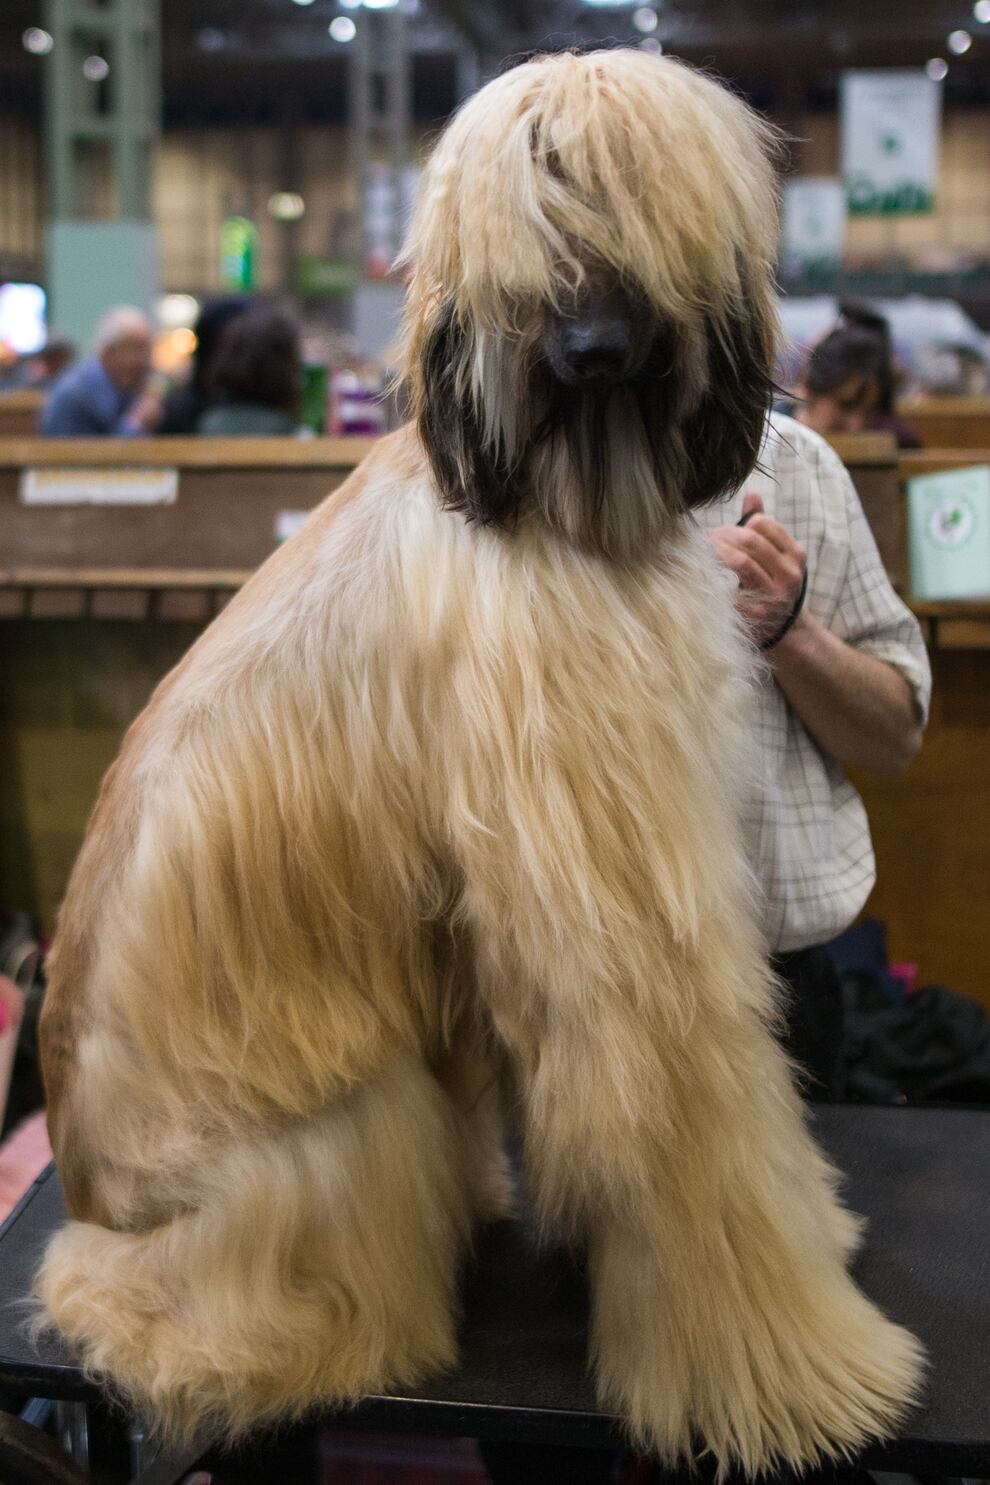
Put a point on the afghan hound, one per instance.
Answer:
(447, 802)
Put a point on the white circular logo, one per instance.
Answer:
(950, 523)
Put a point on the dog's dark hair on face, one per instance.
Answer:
(698, 455)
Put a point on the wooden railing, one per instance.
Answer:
(19, 413)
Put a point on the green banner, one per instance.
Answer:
(238, 253)
(326, 278)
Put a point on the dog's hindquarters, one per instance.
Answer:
(272, 1188)
(320, 1264)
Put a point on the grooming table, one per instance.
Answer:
(920, 1175)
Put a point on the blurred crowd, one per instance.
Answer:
(247, 374)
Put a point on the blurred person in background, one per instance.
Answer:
(849, 380)
(107, 394)
(48, 364)
(39, 370)
(255, 379)
(186, 404)
(947, 370)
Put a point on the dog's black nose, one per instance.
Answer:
(596, 349)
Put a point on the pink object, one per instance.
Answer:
(11, 1009)
(907, 974)
(23, 1156)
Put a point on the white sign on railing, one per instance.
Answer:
(99, 486)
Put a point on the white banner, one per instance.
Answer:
(814, 221)
(99, 486)
(890, 134)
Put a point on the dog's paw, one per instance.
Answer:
(762, 1372)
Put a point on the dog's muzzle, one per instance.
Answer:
(597, 344)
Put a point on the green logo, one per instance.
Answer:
(951, 522)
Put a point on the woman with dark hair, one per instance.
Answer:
(186, 404)
(849, 380)
(256, 377)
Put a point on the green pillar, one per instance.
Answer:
(101, 133)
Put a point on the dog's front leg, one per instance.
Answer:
(723, 1316)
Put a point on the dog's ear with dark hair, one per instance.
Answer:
(725, 433)
(470, 476)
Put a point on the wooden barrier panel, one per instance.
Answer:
(230, 495)
(949, 422)
(19, 413)
(102, 577)
(931, 832)
(871, 459)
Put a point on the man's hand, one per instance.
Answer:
(146, 412)
(858, 709)
(769, 564)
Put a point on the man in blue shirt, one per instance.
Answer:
(102, 396)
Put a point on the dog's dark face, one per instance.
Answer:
(599, 341)
(598, 412)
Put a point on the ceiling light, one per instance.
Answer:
(981, 10)
(645, 19)
(287, 206)
(959, 42)
(381, 4)
(342, 28)
(303, 2)
(610, 4)
(651, 45)
(95, 69)
(36, 41)
(936, 68)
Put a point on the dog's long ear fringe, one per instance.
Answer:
(471, 476)
(724, 435)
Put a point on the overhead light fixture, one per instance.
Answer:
(95, 69)
(342, 28)
(303, 2)
(39, 43)
(937, 68)
(959, 42)
(651, 45)
(981, 10)
(287, 206)
(610, 4)
(645, 19)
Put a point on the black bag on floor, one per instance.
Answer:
(932, 1045)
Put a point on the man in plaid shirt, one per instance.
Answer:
(847, 683)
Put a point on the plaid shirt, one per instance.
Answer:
(807, 826)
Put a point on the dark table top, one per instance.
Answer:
(921, 1176)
